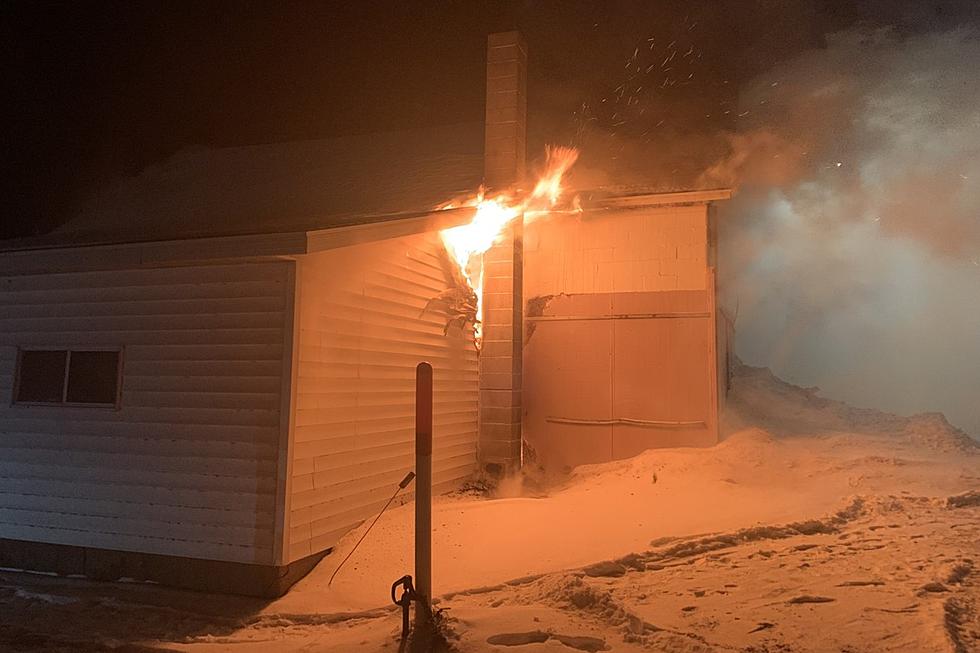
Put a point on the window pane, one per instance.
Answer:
(42, 376)
(93, 376)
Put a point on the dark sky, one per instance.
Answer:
(95, 90)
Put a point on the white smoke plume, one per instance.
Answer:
(852, 249)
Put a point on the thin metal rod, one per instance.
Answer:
(423, 491)
(625, 421)
(401, 486)
(624, 316)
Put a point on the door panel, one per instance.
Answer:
(609, 375)
(658, 370)
(660, 380)
(567, 371)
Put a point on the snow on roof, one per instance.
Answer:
(294, 186)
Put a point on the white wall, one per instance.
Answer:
(187, 465)
(640, 250)
(361, 332)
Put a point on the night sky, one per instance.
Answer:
(99, 90)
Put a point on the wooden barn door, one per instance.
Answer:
(610, 375)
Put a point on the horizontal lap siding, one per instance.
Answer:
(362, 331)
(187, 465)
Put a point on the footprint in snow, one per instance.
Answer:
(807, 598)
(581, 642)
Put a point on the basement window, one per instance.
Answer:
(69, 377)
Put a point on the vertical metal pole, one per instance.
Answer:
(423, 491)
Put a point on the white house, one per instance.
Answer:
(217, 411)
(207, 376)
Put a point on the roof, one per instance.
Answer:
(278, 188)
(286, 199)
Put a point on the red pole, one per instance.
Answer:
(423, 491)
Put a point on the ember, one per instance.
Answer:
(467, 243)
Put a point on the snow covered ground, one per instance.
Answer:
(813, 526)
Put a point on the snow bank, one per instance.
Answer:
(762, 399)
(813, 526)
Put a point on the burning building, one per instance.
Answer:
(207, 376)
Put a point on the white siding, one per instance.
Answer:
(187, 465)
(361, 334)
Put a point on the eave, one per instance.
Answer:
(222, 249)
(252, 247)
(680, 198)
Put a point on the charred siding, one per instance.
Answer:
(361, 332)
(187, 465)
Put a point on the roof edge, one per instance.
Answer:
(92, 257)
(665, 199)
(345, 236)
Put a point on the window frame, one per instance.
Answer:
(115, 405)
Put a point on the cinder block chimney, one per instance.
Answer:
(504, 160)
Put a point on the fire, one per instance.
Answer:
(467, 243)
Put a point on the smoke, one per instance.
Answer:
(871, 127)
(852, 250)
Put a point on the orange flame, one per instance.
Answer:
(467, 243)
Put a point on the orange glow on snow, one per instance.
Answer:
(467, 243)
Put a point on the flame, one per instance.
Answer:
(548, 188)
(467, 243)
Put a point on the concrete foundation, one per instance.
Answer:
(267, 581)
